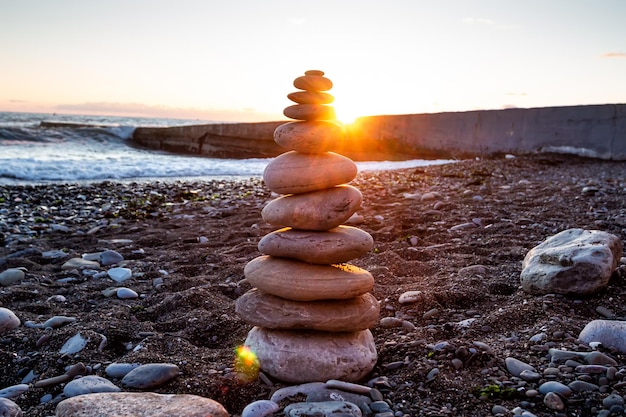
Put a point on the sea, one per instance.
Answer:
(40, 148)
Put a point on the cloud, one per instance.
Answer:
(613, 55)
(145, 110)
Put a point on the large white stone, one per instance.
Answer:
(316, 210)
(310, 356)
(572, 262)
(266, 310)
(611, 333)
(139, 404)
(8, 320)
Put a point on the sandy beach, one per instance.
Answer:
(456, 232)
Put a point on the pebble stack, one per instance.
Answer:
(311, 309)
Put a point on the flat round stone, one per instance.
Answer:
(311, 356)
(301, 281)
(334, 246)
(316, 210)
(315, 136)
(311, 97)
(313, 72)
(296, 172)
(310, 112)
(313, 82)
(266, 310)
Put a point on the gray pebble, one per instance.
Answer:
(124, 293)
(326, 409)
(150, 375)
(498, 409)
(11, 276)
(89, 384)
(119, 370)
(557, 387)
(9, 409)
(74, 344)
(110, 257)
(579, 386)
(260, 408)
(303, 389)
(14, 391)
(553, 401)
(515, 366)
(613, 399)
(119, 274)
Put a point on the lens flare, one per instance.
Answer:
(247, 364)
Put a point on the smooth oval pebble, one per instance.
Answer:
(150, 375)
(316, 136)
(324, 408)
(73, 345)
(313, 82)
(119, 274)
(320, 210)
(9, 409)
(553, 401)
(296, 172)
(8, 320)
(259, 408)
(611, 333)
(310, 97)
(293, 390)
(337, 245)
(58, 321)
(126, 293)
(11, 276)
(119, 370)
(409, 297)
(14, 391)
(300, 281)
(554, 386)
(89, 384)
(79, 263)
(516, 367)
(310, 112)
(110, 257)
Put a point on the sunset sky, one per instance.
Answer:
(235, 60)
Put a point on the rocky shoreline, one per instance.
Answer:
(451, 236)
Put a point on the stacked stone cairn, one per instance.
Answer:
(311, 311)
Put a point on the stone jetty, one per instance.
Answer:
(311, 309)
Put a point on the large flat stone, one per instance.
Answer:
(296, 172)
(301, 281)
(572, 262)
(310, 356)
(266, 310)
(310, 137)
(139, 404)
(337, 245)
(315, 210)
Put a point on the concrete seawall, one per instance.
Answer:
(597, 131)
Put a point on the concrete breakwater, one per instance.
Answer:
(597, 131)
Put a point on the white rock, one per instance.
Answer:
(79, 263)
(611, 333)
(11, 276)
(410, 297)
(74, 344)
(516, 367)
(8, 320)
(126, 293)
(89, 384)
(260, 408)
(572, 262)
(110, 257)
(119, 274)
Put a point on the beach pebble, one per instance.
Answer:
(89, 384)
(409, 297)
(260, 408)
(610, 333)
(313, 80)
(135, 404)
(14, 391)
(557, 265)
(554, 386)
(74, 344)
(54, 254)
(327, 394)
(9, 409)
(110, 257)
(126, 293)
(150, 375)
(8, 320)
(11, 276)
(293, 390)
(310, 112)
(553, 401)
(325, 409)
(79, 263)
(119, 370)
(516, 367)
(57, 321)
(309, 137)
(119, 274)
